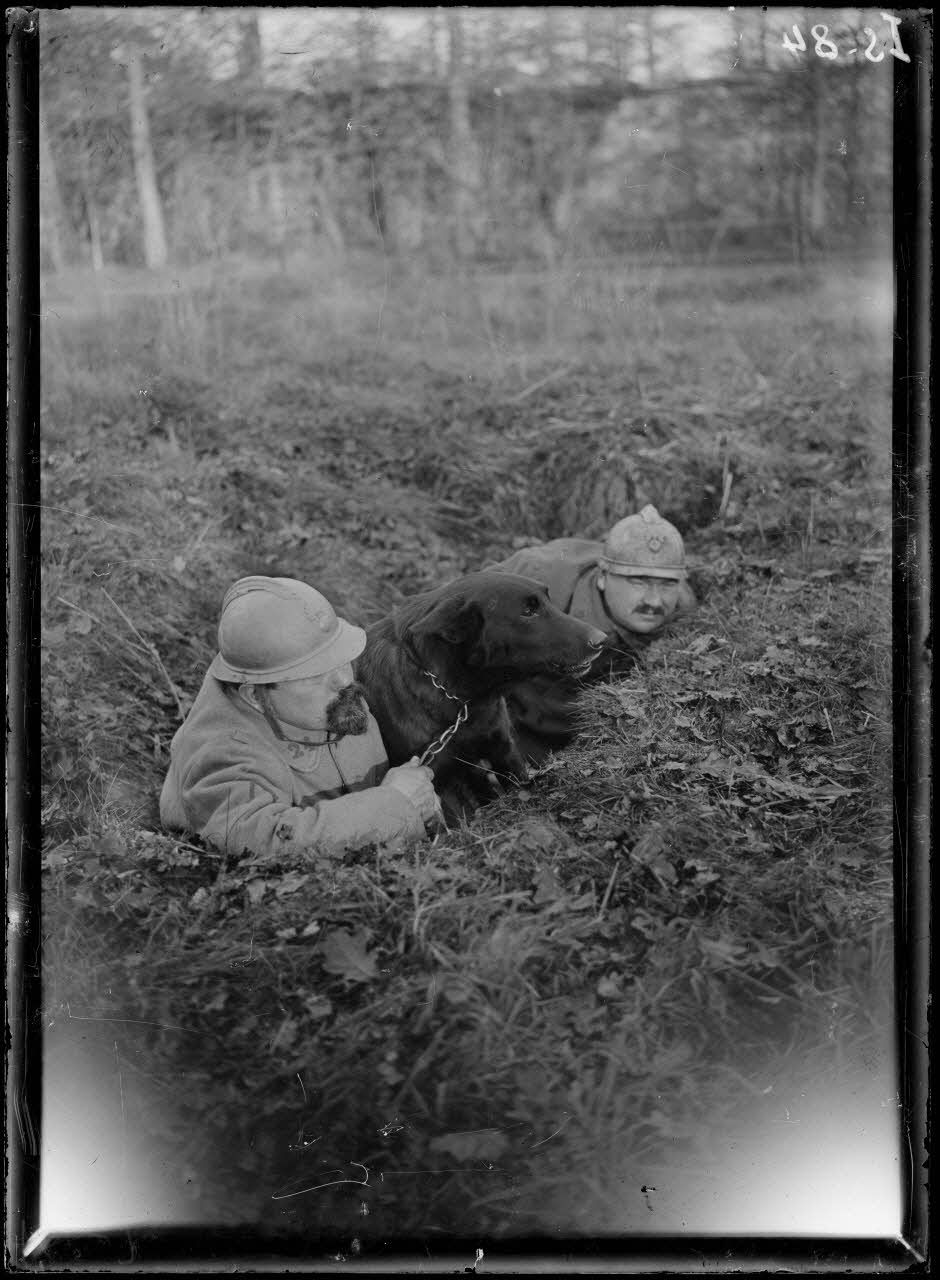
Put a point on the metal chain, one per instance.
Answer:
(441, 742)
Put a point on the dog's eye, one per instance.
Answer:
(531, 606)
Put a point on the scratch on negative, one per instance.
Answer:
(137, 1022)
(550, 1136)
(356, 1182)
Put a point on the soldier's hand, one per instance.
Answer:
(415, 782)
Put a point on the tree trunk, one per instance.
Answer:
(618, 44)
(649, 45)
(94, 229)
(434, 33)
(764, 36)
(688, 178)
(589, 36)
(564, 202)
(250, 61)
(329, 222)
(463, 148)
(817, 203)
(277, 205)
(53, 229)
(91, 209)
(799, 238)
(155, 251)
(365, 45)
(853, 133)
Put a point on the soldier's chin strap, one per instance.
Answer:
(264, 702)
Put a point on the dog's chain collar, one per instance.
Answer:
(441, 742)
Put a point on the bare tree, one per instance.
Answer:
(649, 44)
(762, 38)
(52, 210)
(818, 124)
(151, 208)
(435, 31)
(618, 41)
(250, 58)
(463, 148)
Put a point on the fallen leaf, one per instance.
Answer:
(345, 954)
(58, 858)
(389, 1074)
(256, 890)
(646, 925)
(701, 872)
(649, 846)
(290, 883)
(63, 762)
(318, 1006)
(853, 857)
(111, 846)
(547, 888)
(702, 643)
(539, 835)
(454, 992)
(53, 637)
(722, 949)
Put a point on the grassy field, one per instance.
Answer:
(625, 997)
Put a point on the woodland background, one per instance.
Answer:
(486, 135)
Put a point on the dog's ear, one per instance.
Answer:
(454, 620)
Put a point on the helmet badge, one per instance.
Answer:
(655, 543)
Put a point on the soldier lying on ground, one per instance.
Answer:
(630, 586)
(280, 753)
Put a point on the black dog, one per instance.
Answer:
(456, 647)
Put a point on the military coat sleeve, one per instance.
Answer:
(244, 803)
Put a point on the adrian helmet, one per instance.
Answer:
(645, 545)
(274, 629)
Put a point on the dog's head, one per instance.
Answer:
(496, 627)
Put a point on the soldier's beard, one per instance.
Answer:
(348, 712)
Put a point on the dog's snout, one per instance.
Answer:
(596, 638)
